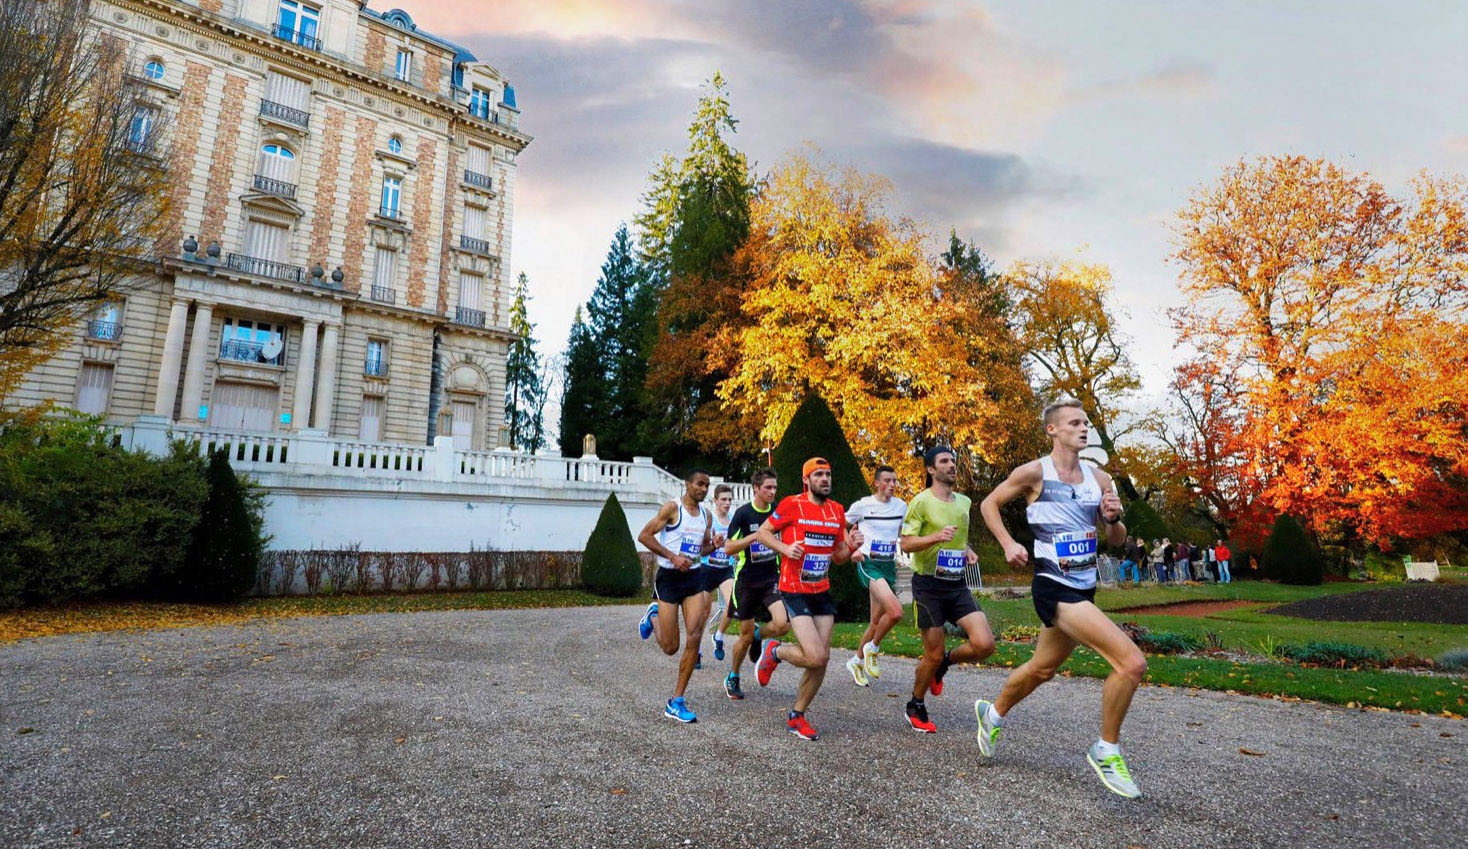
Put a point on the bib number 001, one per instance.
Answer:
(1075, 550)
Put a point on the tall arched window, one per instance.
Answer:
(153, 70)
(277, 162)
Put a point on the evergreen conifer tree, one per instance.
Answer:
(524, 394)
(1290, 555)
(583, 389)
(610, 565)
(621, 314)
(814, 432)
(224, 557)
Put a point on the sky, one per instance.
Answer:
(1039, 130)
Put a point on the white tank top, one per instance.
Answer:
(1063, 519)
(717, 558)
(684, 536)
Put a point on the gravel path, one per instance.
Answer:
(543, 728)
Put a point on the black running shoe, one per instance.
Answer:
(755, 646)
(731, 687)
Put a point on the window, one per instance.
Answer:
(265, 241)
(153, 70)
(405, 65)
(395, 145)
(479, 160)
(243, 406)
(376, 365)
(469, 287)
(106, 322)
(145, 118)
(479, 103)
(473, 222)
(392, 195)
(298, 22)
(247, 341)
(462, 421)
(93, 386)
(276, 163)
(287, 91)
(371, 427)
(384, 275)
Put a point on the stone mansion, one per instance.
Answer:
(345, 187)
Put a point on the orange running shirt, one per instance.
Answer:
(819, 529)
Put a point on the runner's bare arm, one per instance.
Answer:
(767, 538)
(850, 542)
(734, 546)
(649, 535)
(1023, 481)
(1111, 509)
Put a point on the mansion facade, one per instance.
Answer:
(344, 189)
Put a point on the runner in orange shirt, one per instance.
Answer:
(809, 533)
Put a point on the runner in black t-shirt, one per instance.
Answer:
(755, 577)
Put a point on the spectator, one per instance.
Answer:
(1210, 567)
(1180, 561)
(1169, 559)
(1157, 545)
(1222, 555)
(1127, 563)
(1195, 562)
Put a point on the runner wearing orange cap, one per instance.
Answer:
(812, 535)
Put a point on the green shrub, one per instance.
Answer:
(1168, 642)
(1384, 567)
(1335, 654)
(610, 566)
(1143, 520)
(1290, 556)
(814, 432)
(223, 560)
(82, 518)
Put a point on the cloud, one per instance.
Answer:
(1178, 78)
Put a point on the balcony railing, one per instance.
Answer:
(265, 267)
(483, 181)
(384, 294)
(147, 148)
(464, 315)
(375, 368)
(479, 246)
(390, 212)
(242, 351)
(106, 330)
(279, 188)
(285, 33)
(288, 114)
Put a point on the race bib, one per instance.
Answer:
(951, 563)
(757, 551)
(1075, 549)
(884, 549)
(690, 547)
(717, 557)
(814, 568)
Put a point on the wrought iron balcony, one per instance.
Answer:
(483, 181)
(384, 294)
(106, 330)
(464, 315)
(479, 246)
(375, 368)
(265, 268)
(285, 33)
(147, 148)
(288, 114)
(242, 351)
(390, 212)
(279, 188)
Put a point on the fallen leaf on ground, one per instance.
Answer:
(400, 740)
(618, 791)
(1250, 752)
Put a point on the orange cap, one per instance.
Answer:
(812, 464)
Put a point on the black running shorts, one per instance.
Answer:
(752, 599)
(673, 586)
(940, 600)
(1047, 593)
(715, 575)
(808, 604)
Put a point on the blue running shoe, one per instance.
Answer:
(644, 625)
(718, 645)
(678, 709)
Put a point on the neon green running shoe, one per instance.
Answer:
(1113, 773)
(988, 731)
(869, 654)
(859, 675)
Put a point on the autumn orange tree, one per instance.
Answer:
(82, 177)
(1339, 310)
(841, 299)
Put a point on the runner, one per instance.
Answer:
(879, 516)
(718, 570)
(935, 533)
(813, 535)
(1066, 500)
(680, 535)
(756, 578)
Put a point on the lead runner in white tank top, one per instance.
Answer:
(684, 536)
(1064, 520)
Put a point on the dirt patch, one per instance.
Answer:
(1184, 608)
(1438, 604)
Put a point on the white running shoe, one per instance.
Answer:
(1113, 772)
(869, 654)
(988, 731)
(859, 675)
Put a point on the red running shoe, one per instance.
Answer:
(936, 685)
(767, 663)
(917, 717)
(800, 728)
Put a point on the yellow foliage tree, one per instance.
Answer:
(841, 299)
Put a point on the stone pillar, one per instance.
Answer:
(326, 387)
(173, 343)
(193, 381)
(305, 376)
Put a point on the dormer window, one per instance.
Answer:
(404, 69)
(479, 100)
(298, 23)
